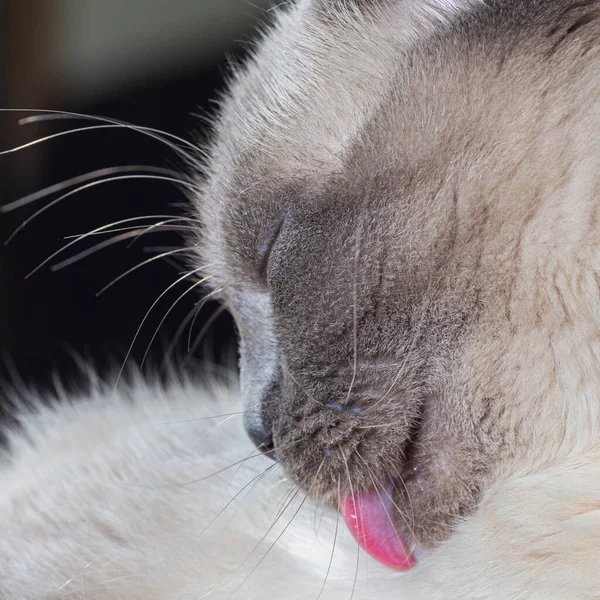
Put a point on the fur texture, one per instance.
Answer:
(400, 207)
(401, 212)
(114, 498)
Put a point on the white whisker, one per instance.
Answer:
(407, 354)
(335, 535)
(282, 532)
(90, 233)
(161, 136)
(58, 187)
(209, 322)
(164, 226)
(250, 484)
(137, 333)
(223, 470)
(201, 303)
(354, 500)
(93, 184)
(189, 290)
(355, 316)
(377, 485)
(136, 267)
(287, 371)
(89, 251)
(53, 136)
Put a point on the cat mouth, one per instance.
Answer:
(369, 517)
(400, 497)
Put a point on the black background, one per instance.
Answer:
(53, 321)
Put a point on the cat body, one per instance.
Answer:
(400, 208)
(144, 496)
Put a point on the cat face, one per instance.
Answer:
(384, 213)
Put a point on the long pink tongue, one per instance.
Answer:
(369, 518)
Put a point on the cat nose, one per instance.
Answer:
(262, 438)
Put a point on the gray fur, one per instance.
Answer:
(408, 157)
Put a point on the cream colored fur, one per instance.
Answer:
(120, 498)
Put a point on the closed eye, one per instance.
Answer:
(266, 247)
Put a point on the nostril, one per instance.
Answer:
(262, 439)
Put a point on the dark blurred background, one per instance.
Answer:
(153, 63)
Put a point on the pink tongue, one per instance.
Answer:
(369, 518)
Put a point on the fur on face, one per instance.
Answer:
(401, 212)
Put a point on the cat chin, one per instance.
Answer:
(152, 495)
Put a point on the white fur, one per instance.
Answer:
(112, 498)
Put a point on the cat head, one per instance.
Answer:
(398, 210)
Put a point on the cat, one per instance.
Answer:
(399, 207)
